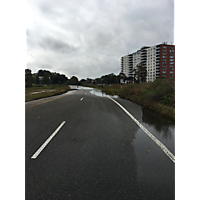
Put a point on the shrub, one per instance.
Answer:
(161, 90)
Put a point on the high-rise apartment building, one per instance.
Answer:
(158, 60)
(127, 65)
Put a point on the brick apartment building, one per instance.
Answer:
(158, 60)
(167, 61)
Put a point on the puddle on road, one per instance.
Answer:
(100, 93)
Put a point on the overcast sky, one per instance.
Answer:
(87, 38)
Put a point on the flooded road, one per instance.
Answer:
(100, 93)
(162, 128)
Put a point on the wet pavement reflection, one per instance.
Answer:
(100, 93)
(162, 128)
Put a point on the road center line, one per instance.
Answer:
(35, 155)
(81, 99)
(162, 146)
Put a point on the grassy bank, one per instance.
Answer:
(158, 96)
(39, 91)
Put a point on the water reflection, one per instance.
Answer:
(100, 93)
(164, 126)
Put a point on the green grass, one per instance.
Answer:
(58, 89)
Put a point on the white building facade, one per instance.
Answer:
(127, 65)
(151, 64)
(159, 61)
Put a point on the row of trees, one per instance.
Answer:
(106, 79)
(46, 77)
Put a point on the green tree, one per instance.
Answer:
(89, 81)
(28, 78)
(47, 77)
(74, 80)
(83, 82)
(140, 73)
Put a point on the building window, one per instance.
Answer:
(171, 63)
(164, 53)
(163, 68)
(164, 63)
(164, 47)
(171, 72)
(164, 50)
(171, 59)
(171, 50)
(164, 56)
(171, 68)
(164, 72)
(171, 56)
(171, 53)
(164, 59)
(171, 47)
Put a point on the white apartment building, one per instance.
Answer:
(151, 64)
(130, 61)
(136, 58)
(127, 65)
(159, 61)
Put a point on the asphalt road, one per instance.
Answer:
(97, 154)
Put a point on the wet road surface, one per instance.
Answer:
(99, 152)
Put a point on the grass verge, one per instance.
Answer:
(38, 91)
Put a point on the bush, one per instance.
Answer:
(161, 90)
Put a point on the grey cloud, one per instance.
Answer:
(58, 46)
(87, 38)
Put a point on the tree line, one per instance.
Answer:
(103, 80)
(46, 77)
